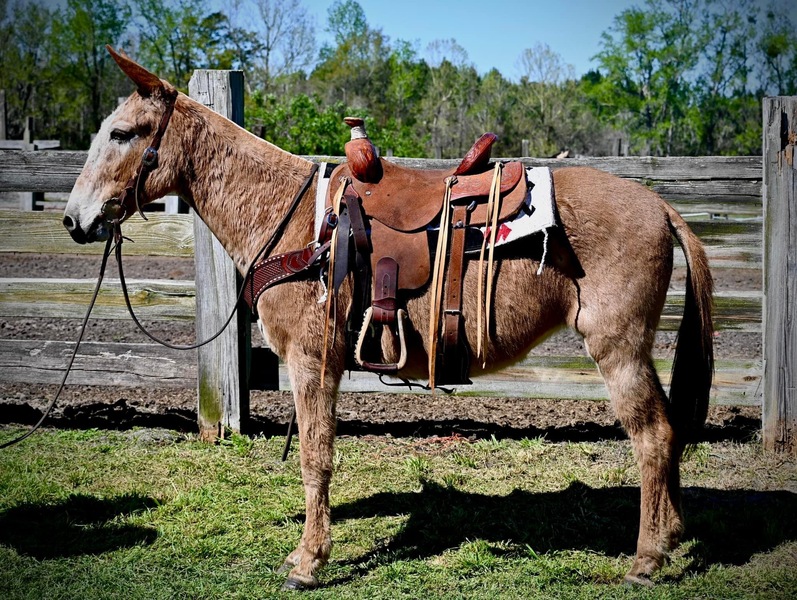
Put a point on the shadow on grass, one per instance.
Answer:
(121, 415)
(78, 525)
(726, 526)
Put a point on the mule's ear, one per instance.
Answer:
(145, 81)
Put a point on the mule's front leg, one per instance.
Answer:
(315, 413)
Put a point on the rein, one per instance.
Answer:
(264, 251)
(106, 253)
(114, 211)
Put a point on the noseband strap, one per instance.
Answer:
(118, 208)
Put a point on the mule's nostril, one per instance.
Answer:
(69, 223)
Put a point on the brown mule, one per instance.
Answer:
(606, 276)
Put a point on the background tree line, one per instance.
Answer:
(674, 77)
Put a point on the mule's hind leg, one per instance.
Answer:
(641, 406)
(315, 415)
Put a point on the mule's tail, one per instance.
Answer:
(693, 366)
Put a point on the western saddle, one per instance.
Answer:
(398, 230)
(386, 225)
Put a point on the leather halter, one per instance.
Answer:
(118, 208)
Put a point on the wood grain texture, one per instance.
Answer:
(737, 382)
(42, 232)
(223, 394)
(153, 300)
(780, 275)
(97, 363)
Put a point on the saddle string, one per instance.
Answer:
(106, 253)
(436, 291)
(484, 303)
(331, 295)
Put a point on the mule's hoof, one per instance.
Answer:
(297, 585)
(634, 580)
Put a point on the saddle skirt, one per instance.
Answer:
(534, 213)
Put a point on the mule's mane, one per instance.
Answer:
(239, 184)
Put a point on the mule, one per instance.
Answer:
(606, 276)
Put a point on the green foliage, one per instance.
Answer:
(674, 77)
(300, 124)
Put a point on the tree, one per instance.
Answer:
(777, 48)
(353, 71)
(79, 35)
(452, 89)
(180, 36)
(26, 75)
(645, 66)
(287, 35)
(720, 91)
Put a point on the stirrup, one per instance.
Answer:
(381, 367)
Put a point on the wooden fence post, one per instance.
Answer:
(222, 365)
(30, 200)
(780, 275)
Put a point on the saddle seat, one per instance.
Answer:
(406, 202)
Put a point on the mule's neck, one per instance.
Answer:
(240, 185)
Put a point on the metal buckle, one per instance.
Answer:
(113, 210)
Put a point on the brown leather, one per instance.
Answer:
(411, 250)
(278, 268)
(363, 161)
(385, 293)
(454, 363)
(410, 199)
(478, 156)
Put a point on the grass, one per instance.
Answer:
(143, 514)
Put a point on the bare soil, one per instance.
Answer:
(386, 413)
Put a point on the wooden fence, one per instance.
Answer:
(720, 197)
(700, 187)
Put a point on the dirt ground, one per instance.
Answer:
(386, 413)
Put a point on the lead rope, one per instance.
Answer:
(49, 409)
(117, 239)
(266, 249)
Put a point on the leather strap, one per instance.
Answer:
(278, 268)
(128, 199)
(454, 359)
(385, 303)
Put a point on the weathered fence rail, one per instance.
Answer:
(698, 187)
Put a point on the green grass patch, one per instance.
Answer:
(142, 514)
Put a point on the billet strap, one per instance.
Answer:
(484, 303)
(454, 357)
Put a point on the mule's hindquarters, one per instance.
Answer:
(621, 233)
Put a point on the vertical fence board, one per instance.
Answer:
(222, 388)
(780, 275)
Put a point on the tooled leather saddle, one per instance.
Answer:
(385, 219)
(393, 219)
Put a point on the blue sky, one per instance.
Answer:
(493, 33)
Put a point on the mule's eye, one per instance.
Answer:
(121, 135)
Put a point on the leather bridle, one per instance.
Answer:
(116, 209)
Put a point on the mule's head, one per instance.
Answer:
(115, 157)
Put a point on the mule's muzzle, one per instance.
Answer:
(99, 231)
